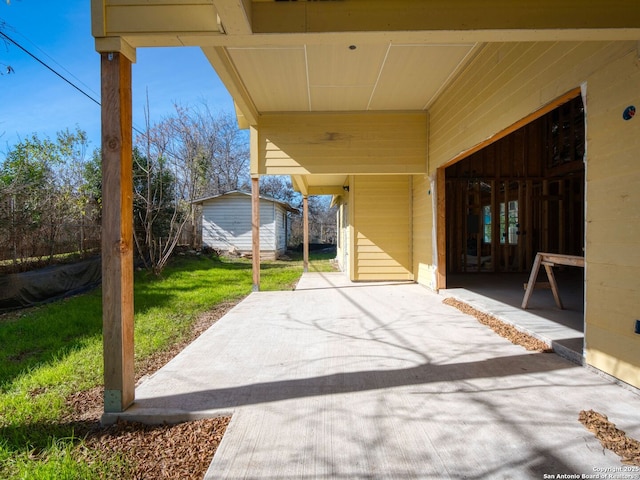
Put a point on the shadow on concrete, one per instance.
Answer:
(349, 382)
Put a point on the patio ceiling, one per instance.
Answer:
(346, 55)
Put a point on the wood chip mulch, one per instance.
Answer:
(149, 452)
(611, 438)
(503, 329)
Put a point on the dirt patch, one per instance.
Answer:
(503, 329)
(149, 452)
(611, 438)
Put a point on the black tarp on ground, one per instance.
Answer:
(20, 290)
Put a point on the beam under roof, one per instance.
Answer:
(235, 16)
(227, 73)
(441, 15)
(241, 23)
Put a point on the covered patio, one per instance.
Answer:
(380, 104)
(381, 380)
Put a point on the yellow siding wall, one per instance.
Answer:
(298, 144)
(423, 232)
(381, 223)
(613, 220)
(507, 82)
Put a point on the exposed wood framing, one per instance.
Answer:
(117, 233)
(576, 92)
(541, 167)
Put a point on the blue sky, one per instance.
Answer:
(34, 100)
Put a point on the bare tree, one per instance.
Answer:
(159, 205)
(215, 141)
(186, 156)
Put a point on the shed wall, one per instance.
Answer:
(226, 223)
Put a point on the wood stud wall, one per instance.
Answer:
(541, 167)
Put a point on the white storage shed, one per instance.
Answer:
(226, 223)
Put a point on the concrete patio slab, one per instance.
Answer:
(381, 381)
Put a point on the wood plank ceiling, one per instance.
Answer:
(348, 77)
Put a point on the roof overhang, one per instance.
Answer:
(347, 55)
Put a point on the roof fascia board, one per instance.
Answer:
(442, 15)
(440, 37)
(223, 66)
(326, 190)
(299, 184)
(98, 23)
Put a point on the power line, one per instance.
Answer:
(62, 77)
(70, 74)
(59, 75)
(41, 62)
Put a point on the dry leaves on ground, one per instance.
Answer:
(611, 438)
(150, 451)
(503, 329)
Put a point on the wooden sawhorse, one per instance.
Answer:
(549, 260)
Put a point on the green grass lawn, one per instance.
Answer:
(49, 352)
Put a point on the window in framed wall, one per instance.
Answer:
(486, 223)
(509, 223)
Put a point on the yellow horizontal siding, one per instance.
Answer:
(506, 82)
(422, 223)
(342, 143)
(613, 220)
(382, 224)
(613, 353)
(610, 196)
(382, 277)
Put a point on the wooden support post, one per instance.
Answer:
(562, 216)
(545, 216)
(117, 233)
(520, 246)
(506, 248)
(495, 226)
(255, 232)
(528, 223)
(305, 229)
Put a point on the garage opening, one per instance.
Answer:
(520, 195)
